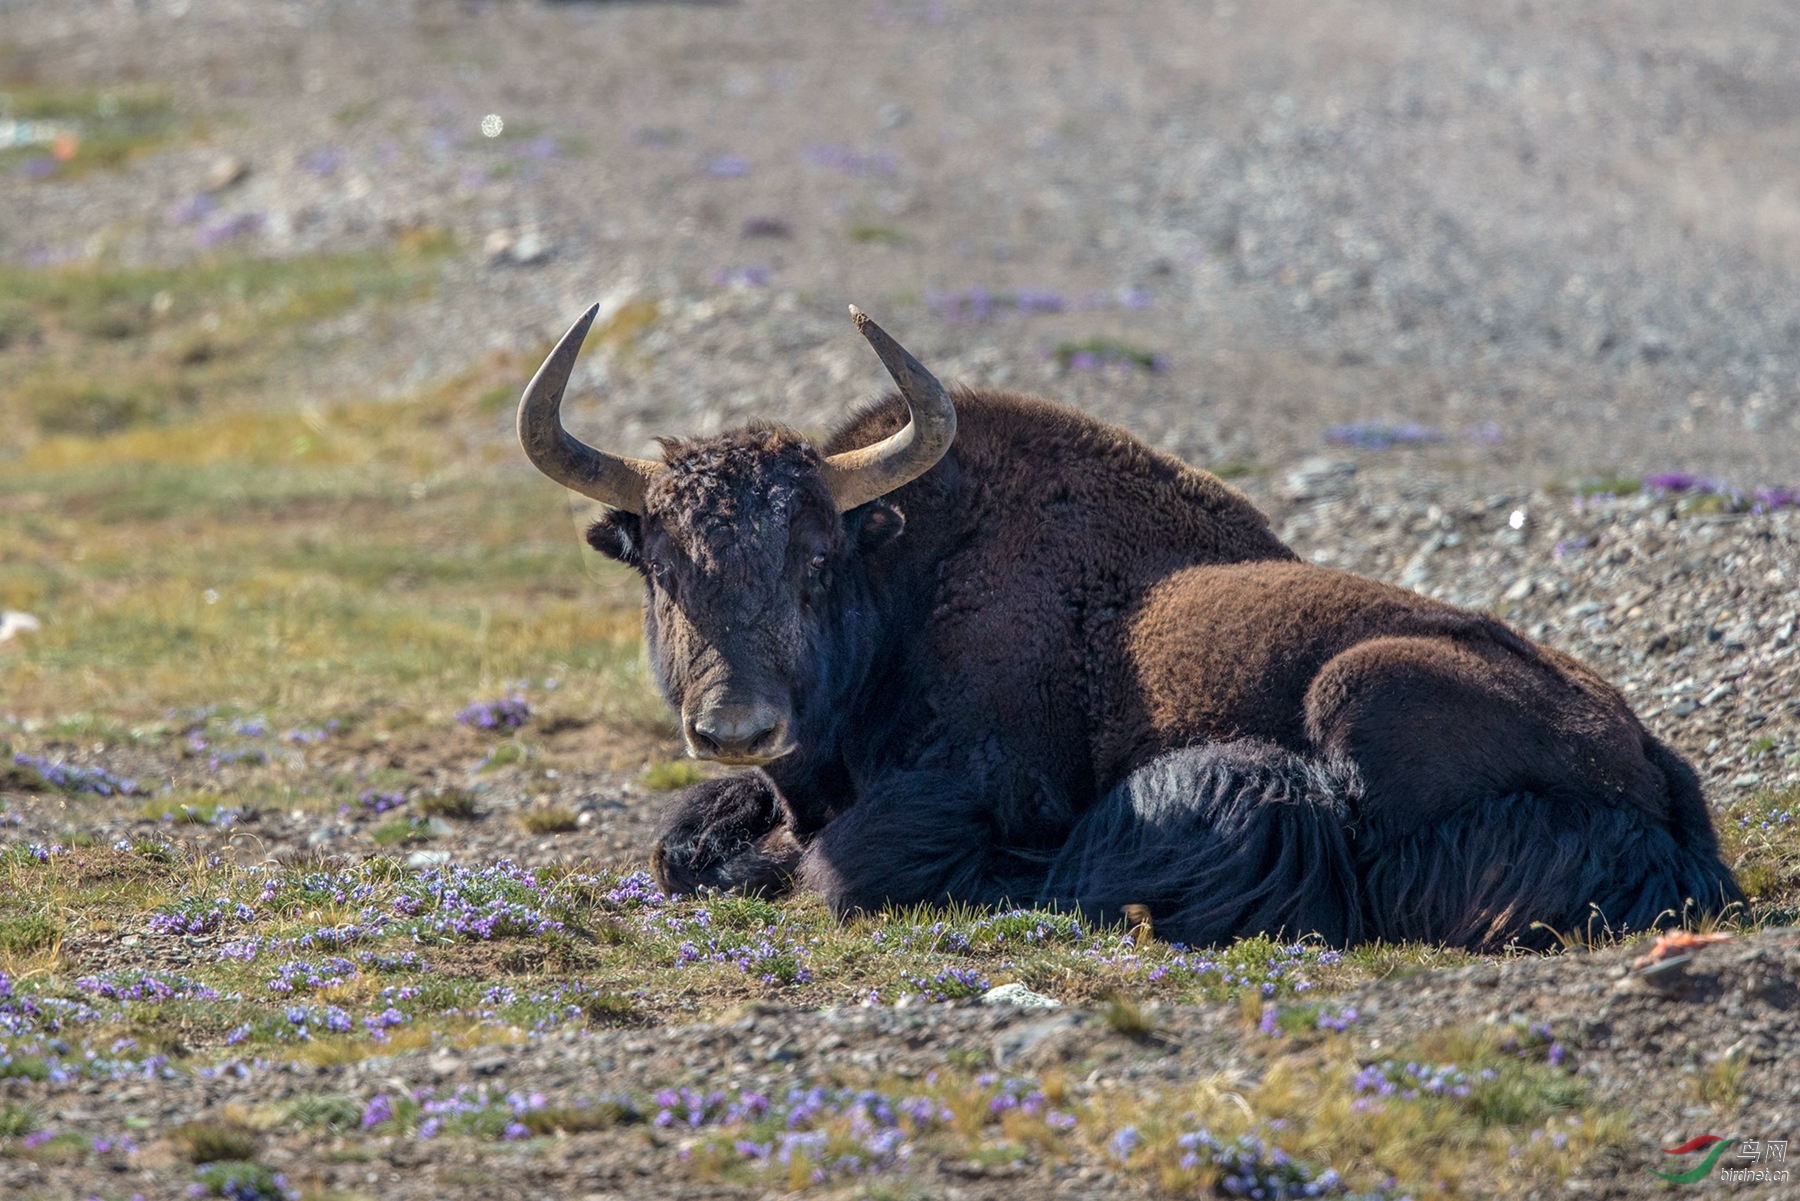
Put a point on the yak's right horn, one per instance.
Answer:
(609, 479)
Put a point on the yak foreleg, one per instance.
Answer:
(726, 834)
(916, 837)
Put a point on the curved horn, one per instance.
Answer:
(857, 477)
(574, 464)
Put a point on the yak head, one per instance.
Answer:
(748, 544)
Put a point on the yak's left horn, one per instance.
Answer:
(857, 477)
(609, 479)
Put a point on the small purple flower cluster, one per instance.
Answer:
(949, 984)
(1411, 1081)
(231, 228)
(385, 1020)
(850, 161)
(1758, 500)
(976, 304)
(253, 755)
(194, 208)
(304, 1019)
(73, 779)
(1378, 435)
(1104, 357)
(1538, 1037)
(380, 802)
(508, 713)
(312, 735)
(149, 987)
(742, 277)
(727, 166)
(301, 974)
(1250, 1167)
(1337, 1022)
(1767, 820)
(191, 917)
(34, 1027)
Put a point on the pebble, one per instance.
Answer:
(1019, 995)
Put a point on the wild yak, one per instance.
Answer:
(990, 649)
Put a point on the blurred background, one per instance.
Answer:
(272, 274)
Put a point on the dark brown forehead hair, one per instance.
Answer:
(723, 498)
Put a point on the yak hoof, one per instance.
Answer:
(762, 869)
(725, 835)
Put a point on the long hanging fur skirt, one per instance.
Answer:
(1229, 840)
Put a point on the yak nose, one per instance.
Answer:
(739, 733)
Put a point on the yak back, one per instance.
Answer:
(1024, 550)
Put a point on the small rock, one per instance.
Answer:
(13, 623)
(1749, 779)
(1520, 589)
(524, 249)
(1021, 1042)
(1319, 479)
(1019, 995)
(225, 171)
(530, 248)
(1684, 706)
(488, 1065)
(322, 835)
(419, 860)
(1719, 692)
(497, 245)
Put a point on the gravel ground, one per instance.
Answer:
(1558, 240)
(1641, 1039)
(1575, 227)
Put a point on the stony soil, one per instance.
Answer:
(1562, 238)
(1639, 1038)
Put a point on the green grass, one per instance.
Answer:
(672, 774)
(1612, 485)
(17, 1120)
(868, 234)
(1757, 837)
(402, 832)
(101, 129)
(453, 803)
(95, 349)
(1106, 351)
(552, 819)
(213, 1142)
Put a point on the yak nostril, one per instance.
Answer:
(732, 731)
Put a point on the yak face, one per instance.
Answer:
(750, 573)
(751, 545)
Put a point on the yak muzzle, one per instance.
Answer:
(742, 735)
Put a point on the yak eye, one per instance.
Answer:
(658, 568)
(818, 562)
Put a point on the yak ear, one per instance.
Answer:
(874, 525)
(617, 537)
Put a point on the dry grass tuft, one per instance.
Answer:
(551, 819)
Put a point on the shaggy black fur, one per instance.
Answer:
(724, 834)
(1241, 838)
(1220, 841)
